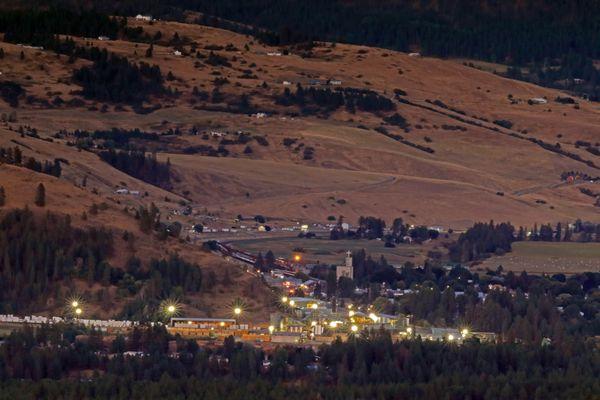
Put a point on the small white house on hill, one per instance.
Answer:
(141, 17)
(537, 100)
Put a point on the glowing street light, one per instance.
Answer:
(334, 324)
(450, 337)
(464, 332)
(78, 311)
(169, 308)
(297, 257)
(237, 310)
(354, 328)
(314, 306)
(75, 304)
(351, 313)
(284, 299)
(409, 330)
(374, 317)
(292, 303)
(313, 323)
(271, 329)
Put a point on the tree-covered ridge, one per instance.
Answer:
(42, 255)
(39, 27)
(52, 364)
(36, 252)
(557, 41)
(531, 30)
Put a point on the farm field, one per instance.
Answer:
(542, 257)
(333, 251)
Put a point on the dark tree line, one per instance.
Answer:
(370, 227)
(161, 278)
(39, 27)
(14, 156)
(113, 138)
(38, 251)
(557, 41)
(313, 100)
(41, 255)
(11, 91)
(482, 240)
(48, 364)
(139, 165)
(113, 78)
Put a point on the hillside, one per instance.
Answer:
(448, 110)
(296, 134)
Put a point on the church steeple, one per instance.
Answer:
(346, 270)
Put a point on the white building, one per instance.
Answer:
(141, 17)
(538, 100)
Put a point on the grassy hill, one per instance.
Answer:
(457, 145)
(448, 108)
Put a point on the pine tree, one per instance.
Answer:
(40, 195)
(558, 235)
(269, 260)
(2, 196)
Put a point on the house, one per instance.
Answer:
(414, 54)
(217, 134)
(537, 100)
(335, 82)
(122, 191)
(274, 53)
(177, 53)
(141, 17)
(287, 83)
(103, 38)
